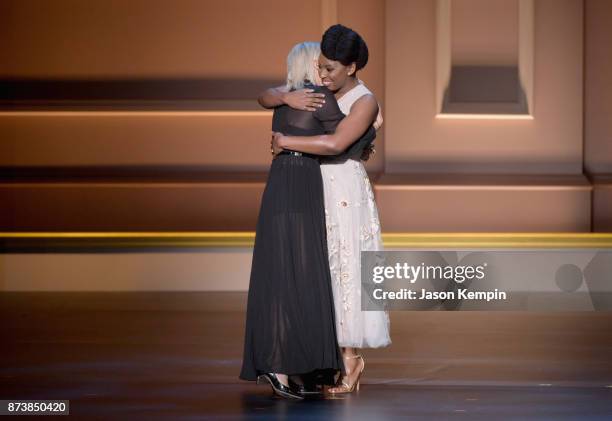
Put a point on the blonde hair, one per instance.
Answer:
(300, 64)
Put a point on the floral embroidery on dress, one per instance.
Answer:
(339, 268)
(352, 224)
(366, 233)
(368, 187)
(347, 286)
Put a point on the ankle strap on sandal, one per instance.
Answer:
(352, 356)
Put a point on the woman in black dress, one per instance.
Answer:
(290, 323)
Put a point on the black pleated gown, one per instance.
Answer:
(290, 322)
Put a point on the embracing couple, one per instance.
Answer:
(304, 323)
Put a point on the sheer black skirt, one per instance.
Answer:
(290, 323)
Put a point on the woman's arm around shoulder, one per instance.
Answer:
(272, 97)
(362, 115)
(301, 99)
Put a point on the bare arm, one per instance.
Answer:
(272, 97)
(362, 115)
(379, 120)
(301, 99)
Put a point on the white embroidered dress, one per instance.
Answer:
(352, 225)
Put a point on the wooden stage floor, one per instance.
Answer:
(176, 356)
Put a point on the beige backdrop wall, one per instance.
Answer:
(229, 50)
(139, 108)
(417, 142)
(141, 161)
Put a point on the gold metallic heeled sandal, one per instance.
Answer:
(348, 388)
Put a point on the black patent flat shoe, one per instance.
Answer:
(277, 387)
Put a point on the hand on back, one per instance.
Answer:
(305, 99)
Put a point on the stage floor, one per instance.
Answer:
(177, 356)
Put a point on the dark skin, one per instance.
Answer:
(300, 99)
(339, 79)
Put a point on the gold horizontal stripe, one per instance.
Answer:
(123, 240)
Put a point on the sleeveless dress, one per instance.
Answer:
(352, 226)
(290, 321)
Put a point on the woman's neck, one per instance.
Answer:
(348, 85)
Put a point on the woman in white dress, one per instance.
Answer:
(351, 212)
